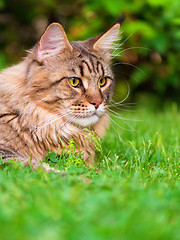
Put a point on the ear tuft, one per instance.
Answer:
(120, 19)
(52, 42)
(106, 40)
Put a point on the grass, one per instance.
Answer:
(136, 195)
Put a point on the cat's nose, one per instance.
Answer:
(95, 98)
(96, 103)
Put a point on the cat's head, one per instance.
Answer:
(73, 79)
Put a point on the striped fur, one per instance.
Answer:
(38, 106)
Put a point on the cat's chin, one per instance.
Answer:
(86, 121)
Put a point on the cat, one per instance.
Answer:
(59, 89)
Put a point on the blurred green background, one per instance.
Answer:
(149, 59)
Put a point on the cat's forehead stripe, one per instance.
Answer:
(92, 63)
(87, 65)
(81, 70)
(100, 68)
(91, 66)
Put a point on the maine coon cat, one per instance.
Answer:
(60, 88)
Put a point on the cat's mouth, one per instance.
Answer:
(84, 119)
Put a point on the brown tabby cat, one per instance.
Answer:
(60, 88)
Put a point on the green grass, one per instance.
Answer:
(135, 195)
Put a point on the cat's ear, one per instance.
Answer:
(105, 41)
(52, 42)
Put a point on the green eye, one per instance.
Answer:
(74, 82)
(102, 81)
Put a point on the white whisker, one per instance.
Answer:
(125, 97)
(53, 119)
(118, 115)
(121, 108)
(45, 119)
(132, 65)
(131, 48)
(121, 126)
(67, 121)
(127, 38)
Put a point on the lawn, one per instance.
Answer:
(133, 194)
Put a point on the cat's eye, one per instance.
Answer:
(74, 82)
(102, 81)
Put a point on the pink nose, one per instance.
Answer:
(96, 104)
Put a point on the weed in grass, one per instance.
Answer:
(69, 160)
(94, 139)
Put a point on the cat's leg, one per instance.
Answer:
(90, 162)
(89, 157)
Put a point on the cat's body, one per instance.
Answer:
(54, 93)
